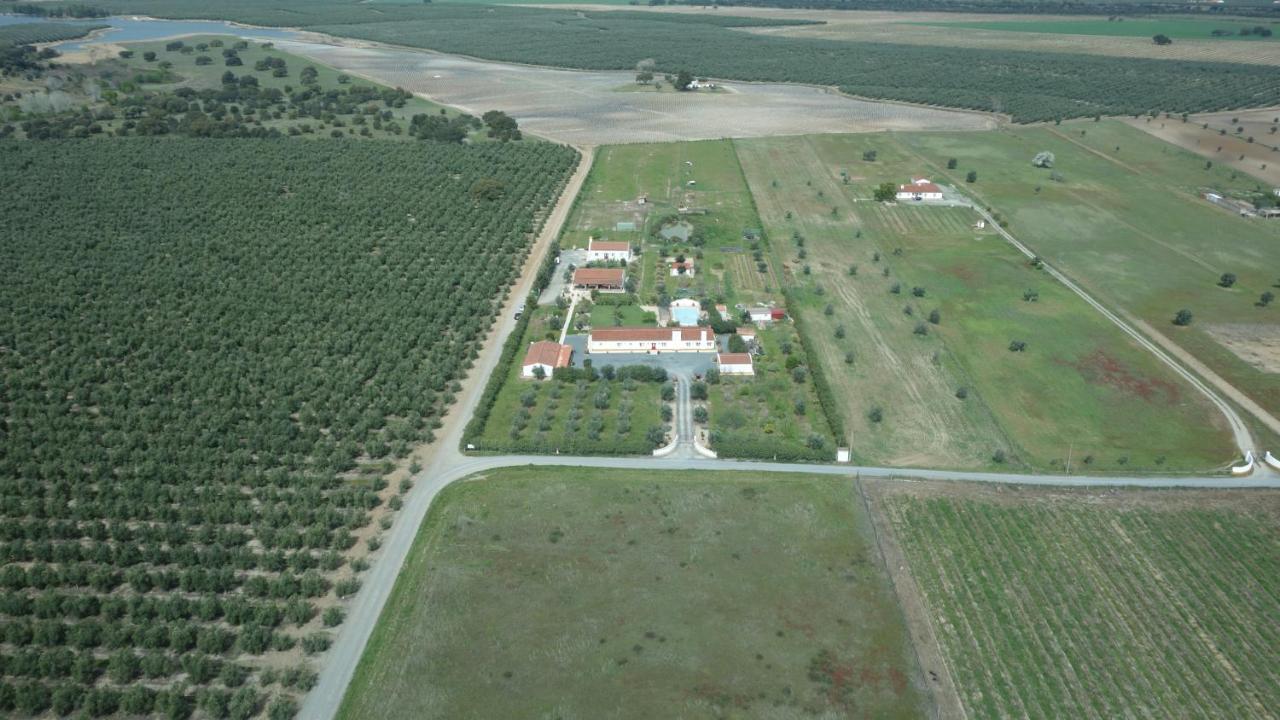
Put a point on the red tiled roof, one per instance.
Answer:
(647, 334)
(919, 188)
(733, 359)
(608, 245)
(545, 352)
(599, 276)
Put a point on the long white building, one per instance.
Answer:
(602, 250)
(651, 340)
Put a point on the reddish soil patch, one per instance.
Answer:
(1100, 368)
(963, 272)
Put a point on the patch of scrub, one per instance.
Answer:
(1255, 343)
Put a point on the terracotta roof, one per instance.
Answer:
(608, 245)
(545, 352)
(926, 187)
(648, 334)
(599, 276)
(733, 358)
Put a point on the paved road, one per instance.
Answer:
(445, 464)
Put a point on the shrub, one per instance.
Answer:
(1182, 318)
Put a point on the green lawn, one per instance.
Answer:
(1079, 389)
(605, 316)
(1074, 604)
(1173, 27)
(580, 593)
(1128, 225)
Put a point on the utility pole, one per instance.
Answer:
(1069, 451)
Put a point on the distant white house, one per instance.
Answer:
(735, 364)
(762, 315)
(919, 189)
(602, 250)
(546, 355)
(702, 85)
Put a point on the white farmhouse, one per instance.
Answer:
(651, 340)
(603, 251)
(735, 364)
(919, 189)
(546, 355)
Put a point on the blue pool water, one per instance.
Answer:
(685, 317)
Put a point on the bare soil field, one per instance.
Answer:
(1256, 344)
(584, 108)
(1260, 158)
(904, 28)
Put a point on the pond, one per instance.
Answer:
(129, 29)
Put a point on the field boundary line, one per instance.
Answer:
(947, 703)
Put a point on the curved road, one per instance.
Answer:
(444, 463)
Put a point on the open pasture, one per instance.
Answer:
(1075, 604)
(953, 392)
(1126, 222)
(583, 593)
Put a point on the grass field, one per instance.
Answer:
(1127, 224)
(1072, 604)
(1080, 389)
(583, 594)
(1176, 28)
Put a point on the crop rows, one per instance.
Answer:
(1068, 609)
(210, 345)
(1030, 86)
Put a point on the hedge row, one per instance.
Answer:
(755, 447)
(826, 398)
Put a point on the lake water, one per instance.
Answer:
(127, 29)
